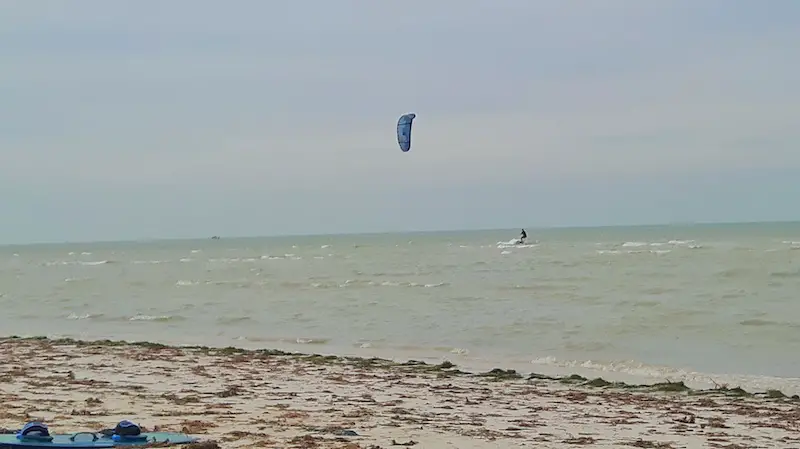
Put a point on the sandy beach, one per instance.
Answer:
(243, 399)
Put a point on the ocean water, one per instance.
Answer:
(702, 303)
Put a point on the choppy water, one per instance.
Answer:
(677, 302)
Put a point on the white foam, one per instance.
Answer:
(86, 316)
(516, 243)
(98, 262)
(632, 371)
(77, 279)
(140, 317)
(633, 244)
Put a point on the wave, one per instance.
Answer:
(284, 257)
(396, 273)
(70, 280)
(85, 316)
(633, 371)
(235, 259)
(649, 251)
(77, 262)
(517, 243)
(646, 247)
(358, 283)
(690, 244)
(785, 274)
(156, 318)
(238, 283)
(758, 322)
(98, 262)
(120, 318)
(225, 320)
(285, 340)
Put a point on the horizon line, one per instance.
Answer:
(389, 232)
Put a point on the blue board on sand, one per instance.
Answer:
(77, 441)
(152, 437)
(92, 440)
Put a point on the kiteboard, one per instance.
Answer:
(151, 438)
(75, 441)
(92, 440)
(37, 435)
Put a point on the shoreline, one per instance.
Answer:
(268, 398)
(615, 371)
(775, 372)
(446, 368)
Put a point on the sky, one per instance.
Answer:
(131, 119)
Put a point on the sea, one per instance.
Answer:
(708, 304)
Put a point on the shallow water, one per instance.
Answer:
(635, 303)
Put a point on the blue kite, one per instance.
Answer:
(404, 131)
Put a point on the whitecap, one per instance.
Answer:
(140, 317)
(98, 262)
(633, 244)
(85, 316)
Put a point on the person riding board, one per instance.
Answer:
(522, 236)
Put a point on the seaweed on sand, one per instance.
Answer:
(444, 369)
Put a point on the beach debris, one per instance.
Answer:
(649, 444)
(211, 444)
(266, 398)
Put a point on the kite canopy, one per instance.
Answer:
(404, 131)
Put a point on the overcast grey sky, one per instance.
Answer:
(142, 119)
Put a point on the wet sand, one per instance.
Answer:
(243, 399)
